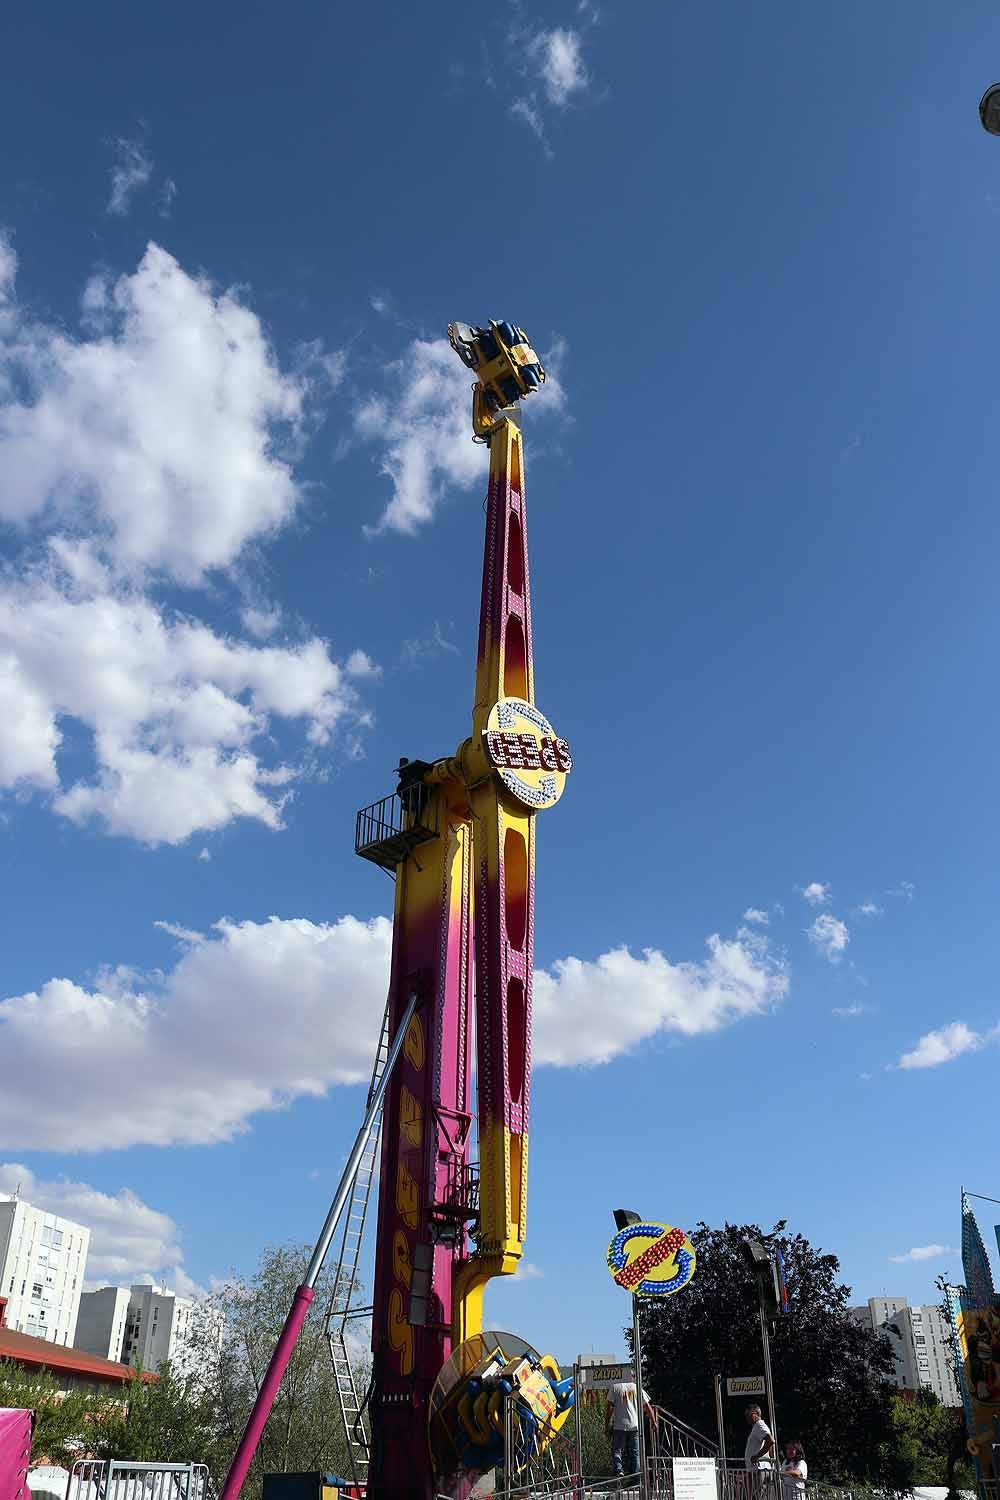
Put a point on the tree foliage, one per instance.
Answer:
(831, 1375)
(930, 1441)
(595, 1441)
(62, 1423)
(171, 1420)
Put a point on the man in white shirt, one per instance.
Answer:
(760, 1443)
(621, 1420)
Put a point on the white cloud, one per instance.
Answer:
(829, 935)
(754, 914)
(526, 110)
(943, 1045)
(129, 1240)
(180, 717)
(187, 1027)
(168, 192)
(558, 59)
(423, 429)
(359, 664)
(816, 893)
(849, 1010)
(8, 271)
(204, 855)
(528, 1271)
(166, 432)
(923, 1252)
(132, 170)
(187, 1031)
(418, 650)
(593, 1011)
(905, 888)
(868, 909)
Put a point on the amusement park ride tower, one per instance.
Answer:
(459, 836)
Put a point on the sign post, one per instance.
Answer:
(719, 1422)
(649, 1260)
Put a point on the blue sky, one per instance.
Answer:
(241, 528)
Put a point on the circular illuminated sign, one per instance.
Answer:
(527, 755)
(651, 1260)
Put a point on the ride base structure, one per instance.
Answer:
(448, 1400)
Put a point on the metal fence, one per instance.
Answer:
(733, 1482)
(115, 1479)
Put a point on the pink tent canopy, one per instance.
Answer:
(15, 1451)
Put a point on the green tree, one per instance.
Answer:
(596, 1444)
(173, 1419)
(63, 1423)
(830, 1374)
(930, 1441)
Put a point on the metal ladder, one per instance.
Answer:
(340, 1311)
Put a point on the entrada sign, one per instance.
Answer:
(746, 1385)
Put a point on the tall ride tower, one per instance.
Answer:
(458, 834)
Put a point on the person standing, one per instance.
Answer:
(759, 1453)
(794, 1472)
(621, 1422)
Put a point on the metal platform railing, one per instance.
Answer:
(733, 1484)
(386, 831)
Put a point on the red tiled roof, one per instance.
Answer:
(60, 1360)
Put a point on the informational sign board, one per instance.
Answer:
(746, 1385)
(695, 1479)
(603, 1377)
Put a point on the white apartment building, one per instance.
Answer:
(43, 1260)
(934, 1354)
(921, 1343)
(161, 1326)
(100, 1328)
(891, 1316)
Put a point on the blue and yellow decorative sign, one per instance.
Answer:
(651, 1260)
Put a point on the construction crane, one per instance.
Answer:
(448, 1399)
(459, 836)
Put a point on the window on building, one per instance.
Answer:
(36, 1291)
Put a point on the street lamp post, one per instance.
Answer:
(764, 1275)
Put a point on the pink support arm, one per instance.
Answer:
(265, 1396)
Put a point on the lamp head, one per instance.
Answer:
(625, 1218)
(989, 109)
